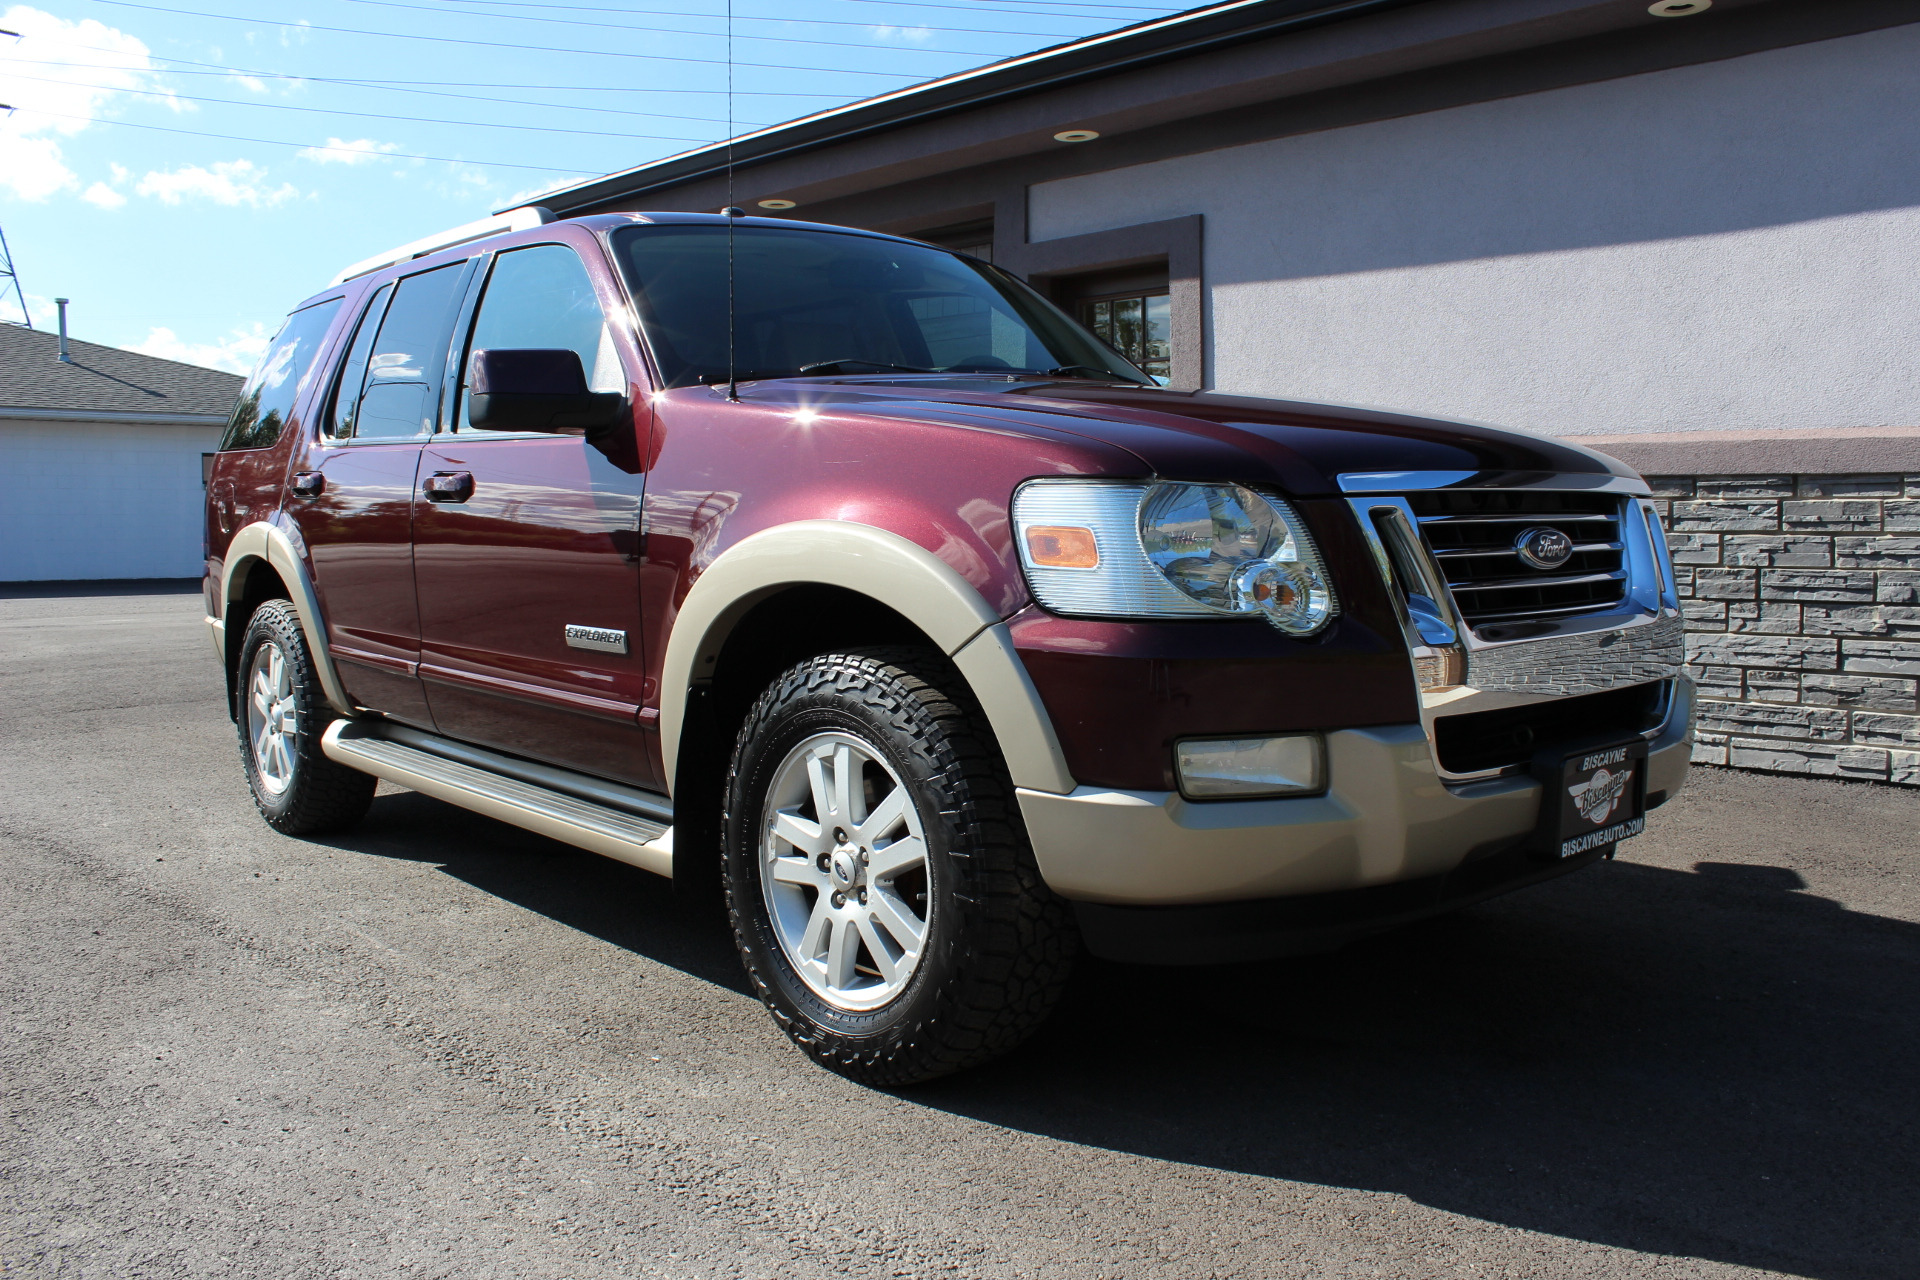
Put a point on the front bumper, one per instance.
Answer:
(1387, 818)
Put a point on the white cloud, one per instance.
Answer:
(340, 151)
(919, 35)
(103, 195)
(76, 69)
(238, 352)
(45, 311)
(230, 182)
(32, 166)
(531, 195)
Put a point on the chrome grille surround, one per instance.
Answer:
(1513, 661)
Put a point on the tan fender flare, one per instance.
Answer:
(900, 574)
(270, 543)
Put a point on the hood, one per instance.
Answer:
(1301, 447)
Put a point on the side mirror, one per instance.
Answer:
(535, 389)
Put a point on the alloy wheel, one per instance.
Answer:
(843, 866)
(273, 721)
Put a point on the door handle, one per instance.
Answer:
(309, 484)
(449, 486)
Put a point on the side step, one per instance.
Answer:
(625, 823)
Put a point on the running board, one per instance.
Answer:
(624, 823)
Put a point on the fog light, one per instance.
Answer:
(1233, 768)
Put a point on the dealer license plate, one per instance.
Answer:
(1602, 796)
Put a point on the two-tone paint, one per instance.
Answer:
(819, 505)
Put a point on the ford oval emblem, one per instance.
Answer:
(1544, 548)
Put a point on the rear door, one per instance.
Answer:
(527, 556)
(358, 518)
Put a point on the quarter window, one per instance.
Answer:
(267, 399)
(542, 298)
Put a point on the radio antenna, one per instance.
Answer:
(733, 382)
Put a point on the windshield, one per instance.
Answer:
(817, 303)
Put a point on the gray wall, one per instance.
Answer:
(1728, 246)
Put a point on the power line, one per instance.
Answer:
(222, 69)
(376, 115)
(980, 8)
(742, 17)
(278, 142)
(496, 44)
(623, 26)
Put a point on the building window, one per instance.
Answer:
(1138, 327)
(974, 238)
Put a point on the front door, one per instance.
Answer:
(526, 550)
(355, 503)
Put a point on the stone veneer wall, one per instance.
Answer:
(1802, 599)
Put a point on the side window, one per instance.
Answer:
(395, 397)
(541, 297)
(269, 395)
(353, 374)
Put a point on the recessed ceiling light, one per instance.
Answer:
(1075, 135)
(776, 204)
(1678, 8)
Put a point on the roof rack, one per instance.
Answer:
(500, 224)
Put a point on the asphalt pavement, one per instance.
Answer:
(438, 1046)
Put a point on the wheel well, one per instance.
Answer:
(261, 583)
(795, 624)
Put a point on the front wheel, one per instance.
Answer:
(282, 713)
(883, 895)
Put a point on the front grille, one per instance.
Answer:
(1497, 739)
(1472, 533)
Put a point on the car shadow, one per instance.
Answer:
(1711, 1064)
(618, 904)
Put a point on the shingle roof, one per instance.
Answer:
(104, 379)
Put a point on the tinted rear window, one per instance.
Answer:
(267, 399)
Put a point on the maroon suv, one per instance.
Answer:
(848, 573)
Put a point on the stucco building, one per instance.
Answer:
(1690, 240)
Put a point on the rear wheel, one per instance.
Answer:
(282, 715)
(883, 895)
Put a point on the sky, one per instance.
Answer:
(185, 173)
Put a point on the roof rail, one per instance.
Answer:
(500, 224)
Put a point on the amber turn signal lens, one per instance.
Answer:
(1062, 547)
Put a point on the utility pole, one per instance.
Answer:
(10, 280)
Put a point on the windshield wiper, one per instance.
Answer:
(1086, 371)
(856, 366)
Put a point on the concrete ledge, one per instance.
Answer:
(1832, 451)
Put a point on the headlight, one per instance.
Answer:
(1133, 548)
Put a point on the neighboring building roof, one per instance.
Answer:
(104, 382)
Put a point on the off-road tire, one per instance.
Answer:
(321, 795)
(1000, 944)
